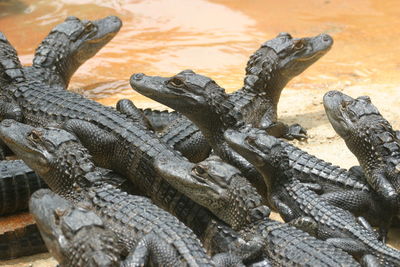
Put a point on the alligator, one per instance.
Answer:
(114, 141)
(303, 207)
(371, 138)
(207, 105)
(146, 232)
(67, 46)
(221, 188)
(75, 236)
(22, 241)
(268, 71)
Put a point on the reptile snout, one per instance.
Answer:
(137, 76)
(327, 38)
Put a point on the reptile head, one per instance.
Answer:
(64, 226)
(55, 154)
(196, 96)
(184, 91)
(347, 114)
(297, 54)
(216, 185)
(74, 41)
(259, 148)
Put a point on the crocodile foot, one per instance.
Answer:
(296, 131)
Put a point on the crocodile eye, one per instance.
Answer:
(251, 140)
(198, 170)
(176, 82)
(298, 45)
(89, 27)
(35, 135)
(344, 104)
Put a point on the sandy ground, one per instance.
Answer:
(305, 107)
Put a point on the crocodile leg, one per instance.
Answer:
(86, 133)
(284, 210)
(159, 120)
(150, 250)
(280, 129)
(127, 107)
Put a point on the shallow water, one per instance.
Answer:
(215, 38)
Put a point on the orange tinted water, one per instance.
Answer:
(215, 38)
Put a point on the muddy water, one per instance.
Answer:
(215, 38)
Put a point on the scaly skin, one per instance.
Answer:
(297, 203)
(148, 233)
(221, 188)
(20, 242)
(373, 141)
(74, 236)
(68, 46)
(17, 183)
(268, 71)
(114, 141)
(208, 106)
(159, 120)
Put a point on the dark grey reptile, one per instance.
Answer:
(303, 207)
(220, 187)
(268, 70)
(148, 233)
(114, 141)
(75, 236)
(67, 46)
(208, 106)
(373, 141)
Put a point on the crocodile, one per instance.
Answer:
(113, 140)
(68, 46)
(147, 232)
(22, 241)
(374, 142)
(303, 207)
(75, 236)
(207, 105)
(268, 71)
(221, 188)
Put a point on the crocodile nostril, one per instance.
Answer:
(138, 76)
(327, 38)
